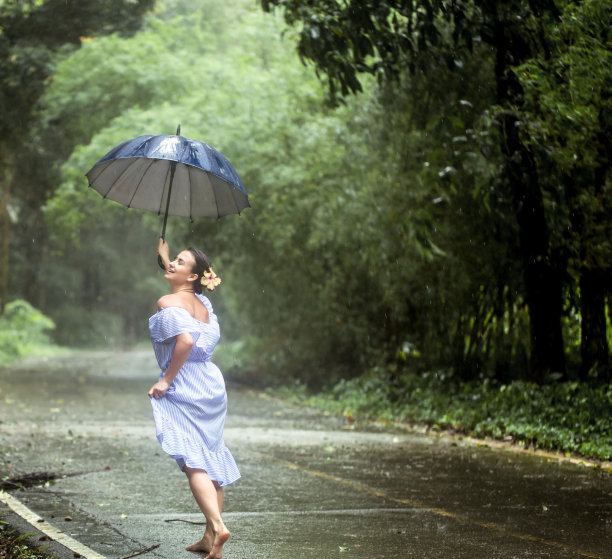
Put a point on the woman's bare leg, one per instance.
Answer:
(209, 497)
(207, 541)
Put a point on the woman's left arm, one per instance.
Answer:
(182, 349)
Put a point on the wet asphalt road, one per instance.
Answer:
(312, 485)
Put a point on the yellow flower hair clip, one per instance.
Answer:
(210, 280)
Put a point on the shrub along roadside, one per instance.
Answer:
(23, 330)
(570, 417)
(14, 545)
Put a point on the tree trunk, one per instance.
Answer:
(543, 288)
(593, 340)
(6, 226)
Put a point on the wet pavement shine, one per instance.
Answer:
(312, 485)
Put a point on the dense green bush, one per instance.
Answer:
(22, 327)
(570, 417)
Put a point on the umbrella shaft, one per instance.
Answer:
(172, 169)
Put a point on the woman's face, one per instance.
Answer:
(179, 270)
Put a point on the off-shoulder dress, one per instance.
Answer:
(189, 419)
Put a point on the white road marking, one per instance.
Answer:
(43, 526)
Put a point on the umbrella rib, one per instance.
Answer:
(117, 180)
(105, 168)
(233, 196)
(190, 193)
(234, 189)
(140, 182)
(161, 198)
(183, 148)
(217, 205)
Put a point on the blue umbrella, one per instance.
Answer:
(170, 174)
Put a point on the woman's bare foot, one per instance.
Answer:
(217, 549)
(205, 544)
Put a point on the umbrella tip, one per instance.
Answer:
(178, 130)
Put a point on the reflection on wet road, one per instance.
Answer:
(312, 486)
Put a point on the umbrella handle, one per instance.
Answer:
(159, 258)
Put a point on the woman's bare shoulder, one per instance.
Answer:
(166, 301)
(196, 308)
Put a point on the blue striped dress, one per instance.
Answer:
(189, 419)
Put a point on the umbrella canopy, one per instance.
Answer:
(171, 175)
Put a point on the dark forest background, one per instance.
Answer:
(429, 180)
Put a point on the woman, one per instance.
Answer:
(189, 399)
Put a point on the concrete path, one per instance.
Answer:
(312, 486)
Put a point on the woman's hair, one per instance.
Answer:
(202, 264)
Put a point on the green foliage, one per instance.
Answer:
(568, 117)
(570, 417)
(33, 35)
(239, 100)
(346, 39)
(22, 328)
(15, 546)
(377, 228)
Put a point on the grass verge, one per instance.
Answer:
(570, 417)
(14, 545)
